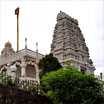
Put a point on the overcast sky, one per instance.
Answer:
(38, 19)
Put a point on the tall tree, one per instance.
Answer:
(49, 63)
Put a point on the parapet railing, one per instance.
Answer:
(25, 83)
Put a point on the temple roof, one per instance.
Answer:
(61, 15)
(19, 55)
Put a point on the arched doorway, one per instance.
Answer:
(30, 71)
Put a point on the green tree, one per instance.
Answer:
(49, 63)
(69, 86)
(6, 80)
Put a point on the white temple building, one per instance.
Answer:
(22, 64)
(68, 46)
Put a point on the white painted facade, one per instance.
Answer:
(22, 64)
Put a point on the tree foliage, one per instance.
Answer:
(6, 80)
(49, 63)
(69, 86)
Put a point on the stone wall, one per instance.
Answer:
(12, 95)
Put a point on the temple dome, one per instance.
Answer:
(8, 45)
(7, 50)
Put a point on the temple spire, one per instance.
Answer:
(37, 47)
(37, 50)
(25, 43)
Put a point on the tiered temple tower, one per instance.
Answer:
(69, 45)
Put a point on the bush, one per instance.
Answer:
(69, 86)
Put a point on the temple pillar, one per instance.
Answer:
(23, 68)
(37, 73)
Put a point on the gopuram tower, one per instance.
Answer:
(69, 45)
